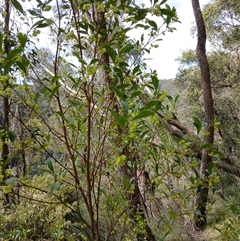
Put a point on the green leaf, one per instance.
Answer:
(169, 187)
(167, 12)
(136, 93)
(55, 89)
(142, 26)
(158, 106)
(18, 6)
(123, 86)
(141, 14)
(210, 167)
(197, 123)
(22, 39)
(198, 212)
(155, 82)
(125, 107)
(50, 165)
(121, 95)
(136, 70)
(157, 168)
(21, 66)
(25, 61)
(126, 49)
(121, 119)
(144, 114)
(45, 170)
(76, 54)
(12, 136)
(38, 23)
(13, 54)
(138, 104)
(208, 146)
(84, 26)
(93, 61)
(112, 53)
(169, 97)
(192, 179)
(35, 12)
(151, 104)
(162, 2)
(42, 25)
(176, 98)
(54, 187)
(153, 24)
(233, 209)
(11, 181)
(199, 188)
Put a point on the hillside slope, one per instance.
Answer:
(173, 90)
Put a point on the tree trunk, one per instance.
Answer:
(6, 104)
(200, 218)
(136, 206)
(136, 199)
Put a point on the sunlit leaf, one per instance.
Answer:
(155, 82)
(22, 39)
(120, 94)
(153, 24)
(162, 2)
(126, 49)
(50, 165)
(14, 53)
(18, 6)
(144, 114)
(168, 12)
(197, 123)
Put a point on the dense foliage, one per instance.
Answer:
(91, 146)
(222, 24)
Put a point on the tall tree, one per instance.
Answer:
(200, 219)
(5, 99)
(222, 26)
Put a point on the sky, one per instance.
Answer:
(163, 58)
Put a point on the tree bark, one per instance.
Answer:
(136, 206)
(6, 103)
(200, 218)
(136, 199)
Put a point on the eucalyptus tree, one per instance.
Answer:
(222, 25)
(221, 19)
(206, 159)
